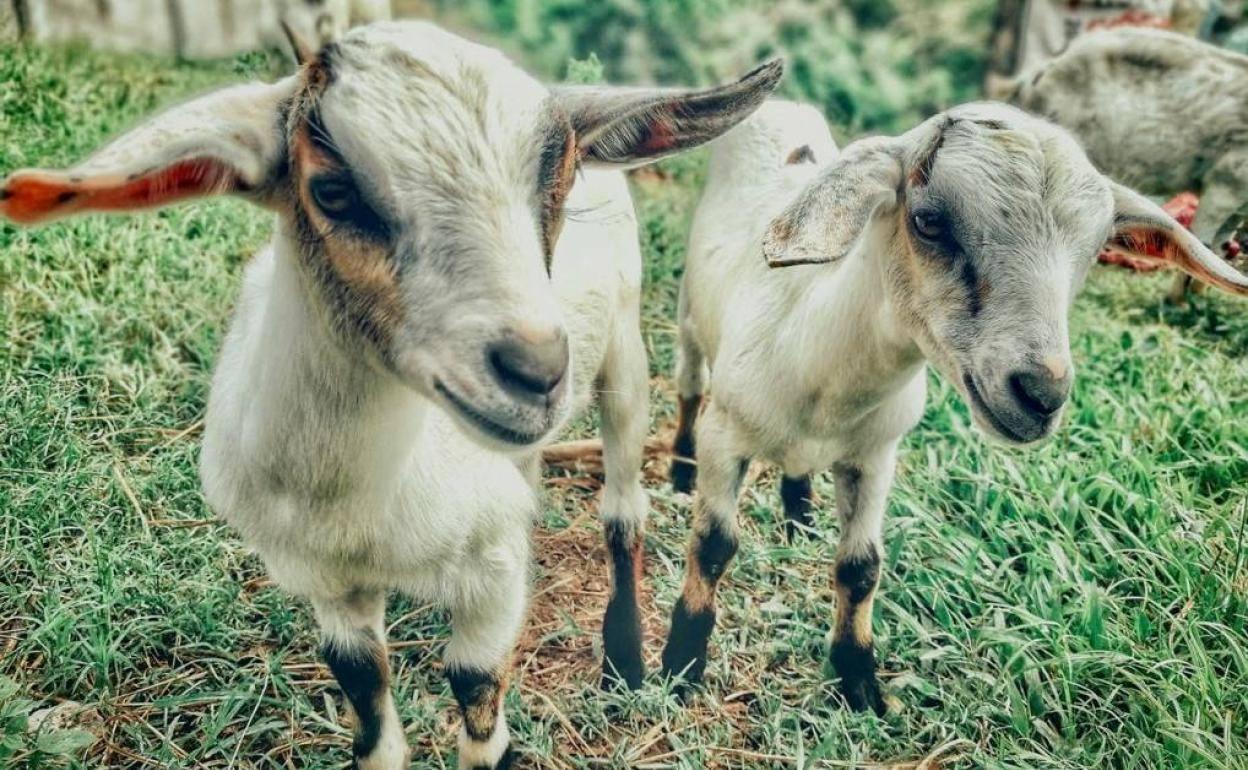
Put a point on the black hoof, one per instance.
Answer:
(623, 671)
(863, 692)
(684, 655)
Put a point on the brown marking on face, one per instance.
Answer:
(358, 275)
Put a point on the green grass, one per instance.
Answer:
(1082, 605)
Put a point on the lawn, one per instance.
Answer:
(1081, 605)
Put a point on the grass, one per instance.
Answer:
(1082, 605)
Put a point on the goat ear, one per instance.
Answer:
(633, 126)
(828, 217)
(231, 141)
(1142, 229)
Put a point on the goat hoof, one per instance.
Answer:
(863, 692)
(684, 476)
(685, 676)
(623, 672)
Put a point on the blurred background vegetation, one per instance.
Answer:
(872, 65)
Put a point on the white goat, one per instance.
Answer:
(1157, 111)
(960, 243)
(403, 344)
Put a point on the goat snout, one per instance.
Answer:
(1041, 390)
(530, 365)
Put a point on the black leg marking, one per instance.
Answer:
(479, 695)
(694, 615)
(621, 625)
(684, 451)
(363, 675)
(858, 575)
(859, 684)
(853, 652)
(796, 495)
(685, 652)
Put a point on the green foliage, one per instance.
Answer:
(872, 65)
(1079, 605)
(587, 71)
(20, 746)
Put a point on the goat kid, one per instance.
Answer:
(960, 243)
(1157, 111)
(414, 332)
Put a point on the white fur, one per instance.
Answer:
(364, 431)
(822, 363)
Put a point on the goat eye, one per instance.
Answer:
(334, 197)
(928, 224)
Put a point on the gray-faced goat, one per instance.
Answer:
(1160, 112)
(817, 293)
(417, 328)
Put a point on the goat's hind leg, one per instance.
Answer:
(625, 420)
(711, 547)
(354, 647)
(690, 385)
(798, 500)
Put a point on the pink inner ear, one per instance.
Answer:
(1146, 243)
(661, 138)
(29, 197)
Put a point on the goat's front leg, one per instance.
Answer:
(484, 628)
(625, 420)
(862, 486)
(354, 647)
(722, 467)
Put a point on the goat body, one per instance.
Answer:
(814, 294)
(425, 318)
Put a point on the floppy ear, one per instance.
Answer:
(231, 141)
(827, 219)
(632, 126)
(1142, 229)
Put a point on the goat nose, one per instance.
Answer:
(1042, 390)
(530, 367)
